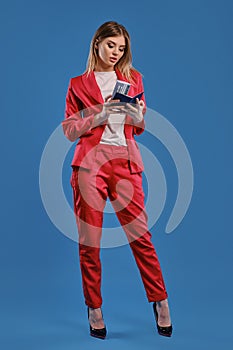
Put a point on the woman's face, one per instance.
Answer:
(110, 50)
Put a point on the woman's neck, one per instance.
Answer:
(103, 68)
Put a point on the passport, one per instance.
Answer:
(120, 93)
(127, 98)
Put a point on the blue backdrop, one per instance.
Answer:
(184, 50)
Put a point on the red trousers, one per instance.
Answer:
(111, 177)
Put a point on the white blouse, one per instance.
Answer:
(114, 131)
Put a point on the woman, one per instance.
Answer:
(107, 163)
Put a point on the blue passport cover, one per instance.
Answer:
(127, 98)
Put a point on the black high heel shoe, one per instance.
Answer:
(97, 332)
(165, 331)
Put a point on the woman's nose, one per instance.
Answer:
(115, 51)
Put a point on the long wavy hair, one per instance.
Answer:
(111, 29)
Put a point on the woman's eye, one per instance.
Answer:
(111, 46)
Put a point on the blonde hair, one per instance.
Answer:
(111, 29)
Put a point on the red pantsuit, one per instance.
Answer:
(91, 189)
(101, 171)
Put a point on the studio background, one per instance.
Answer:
(184, 50)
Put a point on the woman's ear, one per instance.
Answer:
(96, 44)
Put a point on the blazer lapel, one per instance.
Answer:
(92, 87)
(119, 75)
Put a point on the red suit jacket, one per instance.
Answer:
(83, 100)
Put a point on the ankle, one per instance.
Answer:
(161, 303)
(95, 314)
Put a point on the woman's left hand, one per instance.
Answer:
(135, 110)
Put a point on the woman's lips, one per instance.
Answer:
(113, 59)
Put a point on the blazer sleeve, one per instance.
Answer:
(140, 127)
(75, 125)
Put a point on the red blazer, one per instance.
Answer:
(82, 100)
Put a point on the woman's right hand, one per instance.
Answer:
(109, 107)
